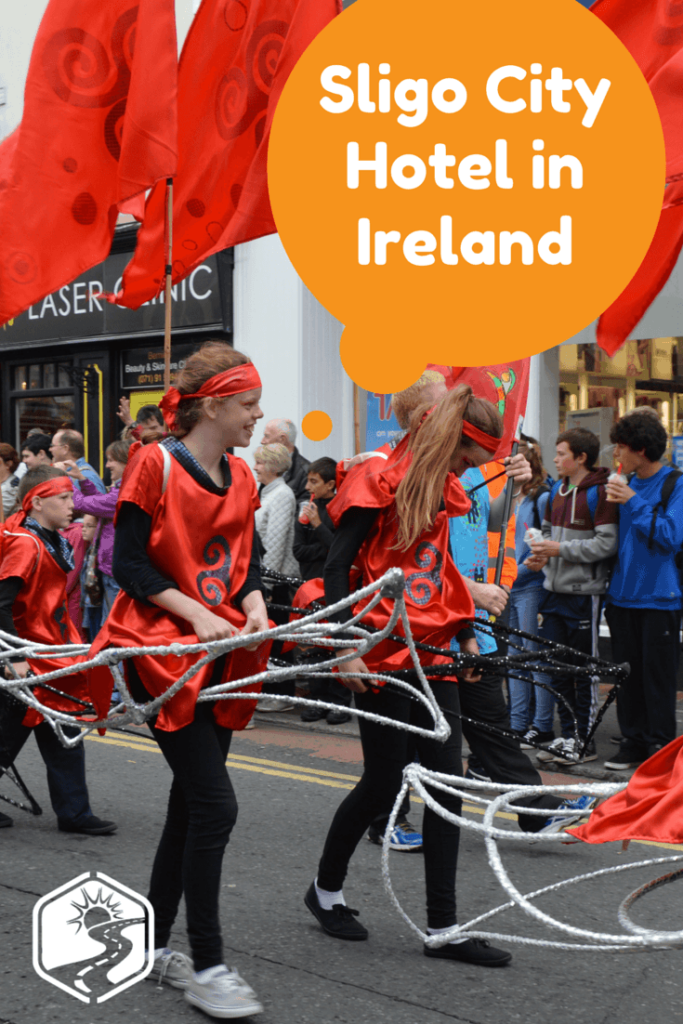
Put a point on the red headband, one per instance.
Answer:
(485, 441)
(230, 382)
(55, 485)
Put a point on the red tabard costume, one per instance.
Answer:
(203, 541)
(438, 601)
(649, 807)
(40, 613)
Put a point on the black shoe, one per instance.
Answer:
(626, 757)
(476, 770)
(312, 714)
(92, 826)
(472, 951)
(338, 922)
(338, 717)
(534, 738)
(5, 821)
(375, 836)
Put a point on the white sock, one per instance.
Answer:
(209, 973)
(440, 931)
(328, 899)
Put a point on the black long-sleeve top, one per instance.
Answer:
(312, 543)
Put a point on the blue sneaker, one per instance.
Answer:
(404, 837)
(568, 813)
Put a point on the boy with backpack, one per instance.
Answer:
(580, 537)
(645, 594)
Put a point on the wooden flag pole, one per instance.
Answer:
(169, 277)
(356, 419)
(507, 512)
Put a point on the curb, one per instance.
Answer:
(291, 720)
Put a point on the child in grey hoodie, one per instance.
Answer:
(580, 538)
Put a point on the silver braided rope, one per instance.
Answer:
(314, 631)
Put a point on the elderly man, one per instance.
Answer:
(284, 432)
(68, 444)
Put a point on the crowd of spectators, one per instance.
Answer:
(589, 548)
(611, 544)
(91, 587)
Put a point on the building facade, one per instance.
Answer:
(71, 357)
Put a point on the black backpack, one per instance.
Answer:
(667, 491)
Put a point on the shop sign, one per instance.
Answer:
(144, 367)
(79, 309)
(381, 424)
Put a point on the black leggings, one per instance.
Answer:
(386, 751)
(202, 810)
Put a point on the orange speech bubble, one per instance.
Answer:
(464, 183)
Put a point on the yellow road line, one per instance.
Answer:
(278, 769)
(336, 780)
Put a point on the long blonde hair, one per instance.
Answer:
(433, 442)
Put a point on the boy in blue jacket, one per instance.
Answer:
(645, 596)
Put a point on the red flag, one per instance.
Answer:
(235, 62)
(667, 89)
(504, 384)
(653, 33)
(651, 30)
(617, 322)
(98, 128)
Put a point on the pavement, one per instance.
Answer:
(289, 780)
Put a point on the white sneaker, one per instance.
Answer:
(274, 704)
(557, 747)
(223, 994)
(174, 969)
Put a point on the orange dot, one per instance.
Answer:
(316, 425)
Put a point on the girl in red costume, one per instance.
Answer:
(33, 605)
(185, 558)
(395, 513)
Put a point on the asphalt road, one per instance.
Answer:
(288, 784)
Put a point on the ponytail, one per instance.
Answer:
(434, 439)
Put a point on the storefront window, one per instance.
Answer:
(642, 373)
(43, 397)
(48, 413)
